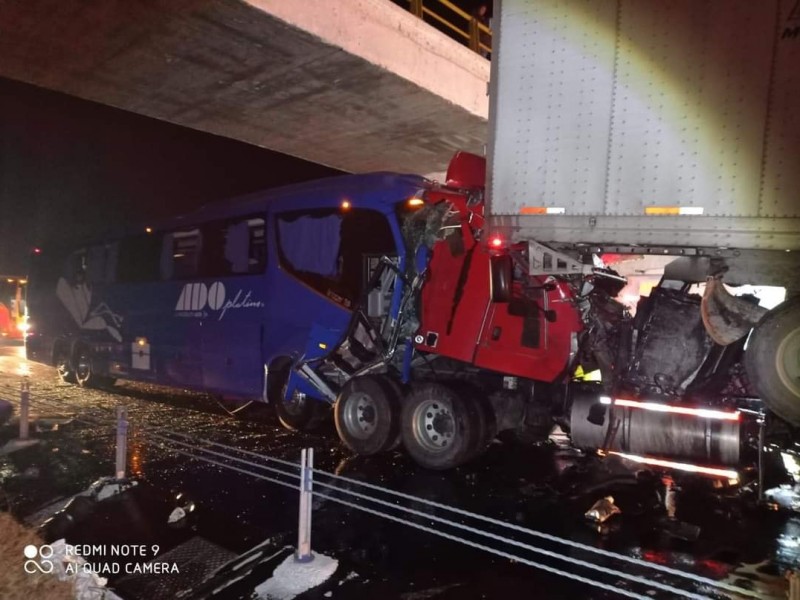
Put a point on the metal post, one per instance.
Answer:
(303, 553)
(474, 35)
(122, 441)
(761, 424)
(24, 407)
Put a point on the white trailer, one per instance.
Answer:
(667, 127)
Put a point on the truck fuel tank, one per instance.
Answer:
(652, 428)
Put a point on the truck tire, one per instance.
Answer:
(367, 415)
(483, 417)
(439, 426)
(772, 360)
(399, 391)
(64, 365)
(298, 413)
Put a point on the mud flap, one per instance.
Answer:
(726, 317)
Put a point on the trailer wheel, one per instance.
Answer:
(298, 413)
(439, 426)
(367, 415)
(772, 360)
(64, 366)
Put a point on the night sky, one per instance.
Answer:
(71, 169)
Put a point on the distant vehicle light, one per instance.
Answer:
(37, 250)
(148, 229)
(346, 205)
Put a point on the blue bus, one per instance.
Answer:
(237, 299)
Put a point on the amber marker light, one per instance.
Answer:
(415, 202)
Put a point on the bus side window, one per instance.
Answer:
(186, 254)
(330, 251)
(97, 258)
(233, 247)
(257, 251)
(138, 259)
(75, 268)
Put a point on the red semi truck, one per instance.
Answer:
(617, 129)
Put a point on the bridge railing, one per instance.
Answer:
(459, 24)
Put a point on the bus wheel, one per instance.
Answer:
(772, 360)
(82, 359)
(298, 412)
(439, 426)
(64, 366)
(367, 414)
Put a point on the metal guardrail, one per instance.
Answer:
(469, 29)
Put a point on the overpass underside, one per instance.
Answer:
(359, 85)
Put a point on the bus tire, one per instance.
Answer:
(63, 365)
(84, 371)
(298, 413)
(367, 414)
(439, 426)
(772, 360)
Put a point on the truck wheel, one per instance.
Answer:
(482, 415)
(299, 412)
(438, 426)
(64, 366)
(367, 415)
(772, 360)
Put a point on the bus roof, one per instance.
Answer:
(378, 191)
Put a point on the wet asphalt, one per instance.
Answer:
(546, 487)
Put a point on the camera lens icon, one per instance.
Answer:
(43, 551)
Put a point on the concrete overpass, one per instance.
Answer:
(359, 85)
